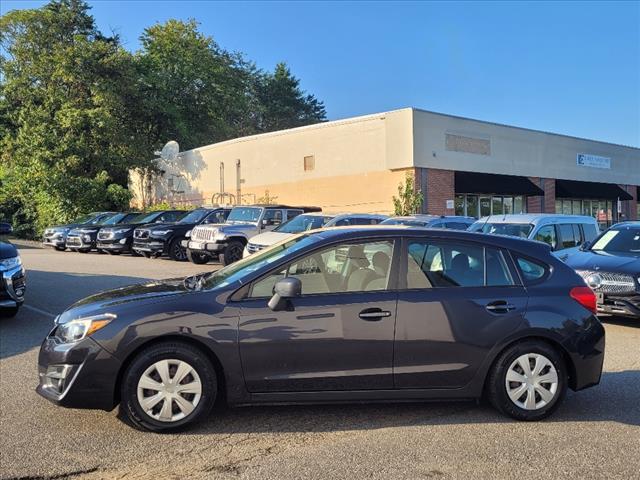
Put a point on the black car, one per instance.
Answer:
(119, 238)
(611, 267)
(56, 236)
(158, 239)
(336, 315)
(83, 239)
(12, 276)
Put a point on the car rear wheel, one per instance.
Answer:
(168, 387)
(232, 253)
(197, 258)
(528, 381)
(112, 252)
(176, 251)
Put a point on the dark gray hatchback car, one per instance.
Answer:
(338, 315)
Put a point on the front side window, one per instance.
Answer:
(343, 268)
(216, 217)
(567, 234)
(547, 234)
(170, 216)
(440, 265)
(272, 217)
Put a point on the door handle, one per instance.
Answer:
(499, 306)
(373, 314)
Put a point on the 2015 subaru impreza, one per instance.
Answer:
(338, 315)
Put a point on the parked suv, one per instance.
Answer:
(611, 267)
(119, 238)
(56, 236)
(563, 233)
(165, 238)
(227, 241)
(12, 276)
(309, 221)
(432, 221)
(83, 239)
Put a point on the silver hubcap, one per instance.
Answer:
(169, 390)
(531, 381)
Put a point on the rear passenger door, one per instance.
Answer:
(456, 301)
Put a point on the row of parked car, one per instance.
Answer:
(229, 234)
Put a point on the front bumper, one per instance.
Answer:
(151, 245)
(79, 375)
(12, 287)
(54, 241)
(84, 241)
(114, 244)
(206, 247)
(621, 305)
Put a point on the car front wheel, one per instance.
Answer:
(528, 381)
(176, 251)
(197, 258)
(232, 253)
(168, 387)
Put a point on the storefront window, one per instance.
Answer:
(507, 205)
(459, 205)
(497, 205)
(476, 206)
(472, 206)
(518, 205)
(602, 210)
(485, 206)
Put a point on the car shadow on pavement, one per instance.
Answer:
(58, 290)
(614, 400)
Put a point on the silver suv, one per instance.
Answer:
(226, 241)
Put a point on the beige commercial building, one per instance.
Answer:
(463, 166)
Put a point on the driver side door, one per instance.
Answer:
(338, 335)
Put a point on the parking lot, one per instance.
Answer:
(594, 434)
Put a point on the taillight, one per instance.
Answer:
(585, 297)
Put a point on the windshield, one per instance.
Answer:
(244, 214)
(145, 217)
(302, 223)
(87, 218)
(194, 216)
(118, 218)
(237, 271)
(404, 221)
(624, 240)
(521, 230)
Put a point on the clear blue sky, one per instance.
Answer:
(571, 68)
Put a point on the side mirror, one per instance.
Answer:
(283, 291)
(5, 228)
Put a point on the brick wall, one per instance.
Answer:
(440, 187)
(534, 204)
(549, 187)
(630, 207)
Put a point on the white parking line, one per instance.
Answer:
(41, 312)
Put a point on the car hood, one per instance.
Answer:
(61, 227)
(167, 226)
(7, 250)
(230, 227)
(269, 238)
(141, 292)
(590, 260)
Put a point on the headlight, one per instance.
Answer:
(219, 236)
(9, 263)
(121, 230)
(188, 234)
(75, 330)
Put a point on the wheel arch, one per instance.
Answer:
(556, 345)
(194, 342)
(240, 238)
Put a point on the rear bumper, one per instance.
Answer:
(81, 375)
(586, 350)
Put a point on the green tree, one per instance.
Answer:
(284, 104)
(409, 200)
(65, 140)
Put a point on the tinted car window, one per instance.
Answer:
(444, 265)
(217, 217)
(344, 268)
(577, 233)
(498, 274)
(547, 234)
(590, 231)
(273, 217)
(170, 216)
(457, 225)
(531, 270)
(567, 234)
(293, 213)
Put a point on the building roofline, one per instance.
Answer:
(524, 128)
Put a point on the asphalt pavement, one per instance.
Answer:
(594, 434)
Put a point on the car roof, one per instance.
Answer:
(428, 218)
(372, 231)
(537, 218)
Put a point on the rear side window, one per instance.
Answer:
(435, 264)
(547, 234)
(568, 235)
(531, 270)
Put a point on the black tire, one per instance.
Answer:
(9, 312)
(113, 252)
(176, 251)
(60, 249)
(232, 253)
(144, 254)
(101, 252)
(496, 382)
(134, 253)
(197, 258)
(130, 407)
(84, 250)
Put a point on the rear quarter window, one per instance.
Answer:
(531, 271)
